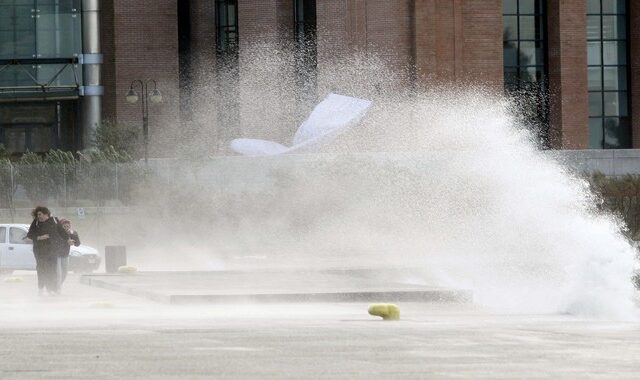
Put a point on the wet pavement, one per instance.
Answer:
(90, 332)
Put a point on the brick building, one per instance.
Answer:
(579, 56)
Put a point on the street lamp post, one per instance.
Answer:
(155, 97)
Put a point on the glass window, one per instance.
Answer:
(532, 75)
(3, 234)
(607, 60)
(595, 104)
(527, 28)
(593, 27)
(18, 236)
(511, 78)
(227, 27)
(615, 78)
(594, 53)
(510, 31)
(305, 35)
(596, 133)
(615, 103)
(617, 133)
(614, 52)
(14, 75)
(614, 6)
(524, 50)
(593, 6)
(510, 55)
(509, 6)
(57, 74)
(528, 6)
(595, 78)
(614, 27)
(43, 30)
(531, 53)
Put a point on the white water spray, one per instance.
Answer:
(446, 181)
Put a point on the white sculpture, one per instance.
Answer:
(334, 115)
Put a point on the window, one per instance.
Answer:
(227, 70)
(607, 72)
(3, 234)
(227, 27)
(18, 236)
(305, 21)
(525, 58)
(304, 12)
(45, 39)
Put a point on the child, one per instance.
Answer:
(73, 239)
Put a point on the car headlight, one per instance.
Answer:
(75, 253)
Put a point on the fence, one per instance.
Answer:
(78, 184)
(99, 184)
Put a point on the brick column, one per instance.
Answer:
(265, 20)
(203, 35)
(425, 39)
(459, 41)
(201, 114)
(142, 43)
(389, 31)
(381, 26)
(481, 59)
(356, 24)
(269, 22)
(331, 29)
(634, 70)
(567, 57)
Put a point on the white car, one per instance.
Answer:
(16, 252)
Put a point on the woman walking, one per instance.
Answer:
(48, 237)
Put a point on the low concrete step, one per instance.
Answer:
(359, 285)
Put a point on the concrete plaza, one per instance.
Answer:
(96, 333)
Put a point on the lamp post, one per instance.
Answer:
(155, 97)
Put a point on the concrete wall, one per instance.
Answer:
(610, 162)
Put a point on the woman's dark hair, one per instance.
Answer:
(41, 209)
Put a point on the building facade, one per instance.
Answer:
(579, 59)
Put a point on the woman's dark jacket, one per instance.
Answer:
(57, 237)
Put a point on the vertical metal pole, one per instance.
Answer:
(92, 61)
(11, 192)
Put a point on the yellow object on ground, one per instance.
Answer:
(13, 279)
(127, 269)
(388, 311)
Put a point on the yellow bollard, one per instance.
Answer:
(127, 269)
(388, 311)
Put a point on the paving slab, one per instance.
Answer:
(354, 285)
